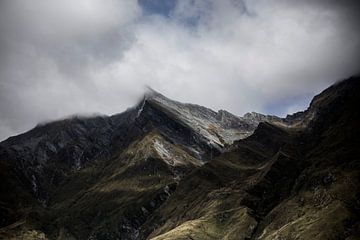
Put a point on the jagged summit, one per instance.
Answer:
(218, 128)
(170, 170)
(150, 93)
(72, 143)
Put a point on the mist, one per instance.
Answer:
(60, 58)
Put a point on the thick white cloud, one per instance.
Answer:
(64, 19)
(65, 57)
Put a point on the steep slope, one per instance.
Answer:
(280, 183)
(218, 128)
(44, 155)
(49, 159)
(112, 199)
(221, 207)
(324, 201)
(168, 170)
(50, 151)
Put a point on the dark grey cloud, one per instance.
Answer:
(64, 57)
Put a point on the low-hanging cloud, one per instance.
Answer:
(65, 57)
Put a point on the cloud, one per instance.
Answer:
(64, 57)
(48, 51)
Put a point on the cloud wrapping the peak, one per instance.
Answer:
(65, 57)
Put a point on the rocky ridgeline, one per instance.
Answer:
(169, 170)
(46, 154)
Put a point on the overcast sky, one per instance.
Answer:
(63, 57)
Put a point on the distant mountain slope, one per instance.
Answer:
(168, 170)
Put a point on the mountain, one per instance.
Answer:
(169, 170)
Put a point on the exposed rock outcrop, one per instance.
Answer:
(169, 170)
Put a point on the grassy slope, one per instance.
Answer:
(209, 203)
(277, 184)
(292, 185)
(18, 218)
(324, 203)
(112, 198)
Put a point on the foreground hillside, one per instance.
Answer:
(167, 170)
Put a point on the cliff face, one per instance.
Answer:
(168, 170)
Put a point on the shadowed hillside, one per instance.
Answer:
(168, 170)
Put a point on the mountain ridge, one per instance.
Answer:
(132, 175)
(47, 139)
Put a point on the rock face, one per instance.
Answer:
(45, 155)
(217, 128)
(169, 170)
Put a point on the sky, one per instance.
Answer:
(63, 57)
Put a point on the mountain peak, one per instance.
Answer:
(147, 167)
(152, 93)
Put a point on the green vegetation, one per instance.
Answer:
(280, 183)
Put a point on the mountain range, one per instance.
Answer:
(169, 170)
